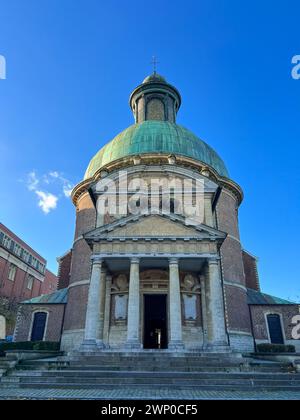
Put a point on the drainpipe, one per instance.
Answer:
(62, 325)
(252, 328)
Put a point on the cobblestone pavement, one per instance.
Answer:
(136, 394)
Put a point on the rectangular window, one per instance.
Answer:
(12, 272)
(25, 256)
(30, 280)
(6, 241)
(18, 250)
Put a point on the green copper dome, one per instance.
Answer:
(154, 78)
(156, 137)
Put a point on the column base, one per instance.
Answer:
(132, 346)
(101, 345)
(92, 346)
(176, 345)
(88, 346)
(217, 348)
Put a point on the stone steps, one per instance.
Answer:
(250, 386)
(161, 375)
(171, 381)
(153, 369)
(148, 371)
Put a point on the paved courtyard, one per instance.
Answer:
(137, 394)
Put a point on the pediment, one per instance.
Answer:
(153, 227)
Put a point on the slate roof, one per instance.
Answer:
(258, 298)
(58, 297)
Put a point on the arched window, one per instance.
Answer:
(275, 329)
(38, 326)
(155, 110)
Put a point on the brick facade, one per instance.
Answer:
(23, 273)
(64, 271)
(53, 325)
(236, 307)
(251, 273)
(80, 266)
(259, 313)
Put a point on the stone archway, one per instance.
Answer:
(2, 327)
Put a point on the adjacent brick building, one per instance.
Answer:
(23, 274)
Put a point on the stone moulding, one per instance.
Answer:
(159, 159)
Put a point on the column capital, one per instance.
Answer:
(135, 260)
(96, 260)
(109, 277)
(202, 277)
(173, 261)
(213, 260)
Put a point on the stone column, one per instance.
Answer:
(93, 306)
(203, 309)
(175, 307)
(133, 318)
(216, 331)
(107, 310)
(100, 321)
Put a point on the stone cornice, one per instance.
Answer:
(199, 232)
(159, 159)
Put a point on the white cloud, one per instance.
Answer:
(54, 174)
(32, 181)
(67, 189)
(66, 184)
(47, 201)
(54, 181)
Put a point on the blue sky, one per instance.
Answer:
(71, 66)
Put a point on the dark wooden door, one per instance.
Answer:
(38, 328)
(275, 329)
(155, 322)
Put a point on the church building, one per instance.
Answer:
(157, 260)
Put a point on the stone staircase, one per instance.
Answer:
(5, 366)
(153, 370)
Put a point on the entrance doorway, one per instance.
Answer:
(155, 322)
(39, 325)
(275, 329)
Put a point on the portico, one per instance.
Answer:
(193, 294)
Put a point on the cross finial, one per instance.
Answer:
(154, 62)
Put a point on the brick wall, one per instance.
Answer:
(237, 311)
(17, 289)
(54, 321)
(64, 271)
(259, 321)
(80, 265)
(50, 283)
(251, 273)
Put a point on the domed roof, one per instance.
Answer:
(155, 77)
(156, 137)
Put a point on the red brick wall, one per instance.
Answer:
(76, 308)
(237, 311)
(22, 243)
(64, 270)
(17, 289)
(259, 321)
(50, 283)
(81, 265)
(251, 274)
